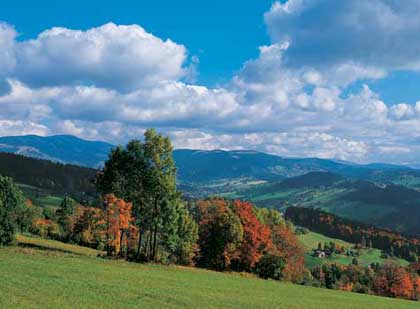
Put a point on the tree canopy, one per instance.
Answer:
(12, 203)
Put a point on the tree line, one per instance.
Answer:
(390, 280)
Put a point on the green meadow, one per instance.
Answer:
(367, 256)
(41, 273)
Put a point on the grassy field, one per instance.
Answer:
(47, 274)
(311, 240)
(367, 256)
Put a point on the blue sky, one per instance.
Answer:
(218, 32)
(323, 78)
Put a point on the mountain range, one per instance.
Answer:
(383, 194)
(59, 148)
(197, 167)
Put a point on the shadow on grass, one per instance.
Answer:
(43, 248)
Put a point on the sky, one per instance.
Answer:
(300, 78)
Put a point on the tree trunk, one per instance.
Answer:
(121, 244)
(148, 245)
(154, 244)
(139, 246)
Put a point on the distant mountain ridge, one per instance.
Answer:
(59, 148)
(375, 193)
(199, 167)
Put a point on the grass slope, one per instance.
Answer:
(311, 240)
(62, 276)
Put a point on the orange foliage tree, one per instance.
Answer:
(256, 236)
(285, 250)
(88, 227)
(118, 221)
(220, 234)
(401, 284)
(288, 247)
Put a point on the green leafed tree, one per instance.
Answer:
(144, 173)
(64, 212)
(12, 203)
(220, 234)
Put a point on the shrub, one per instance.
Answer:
(270, 266)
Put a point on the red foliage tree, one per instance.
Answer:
(256, 236)
(220, 234)
(401, 284)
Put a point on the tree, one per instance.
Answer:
(45, 228)
(27, 215)
(256, 236)
(161, 180)
(271, 266)
(220, 234)
(89, 227)
(401, 283)
(11, 204)
(185, 246)
(285, 245)
(118, 219)
(63, 213)
(145, 175)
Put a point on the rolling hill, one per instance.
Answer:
(386, 205)
(46, 182)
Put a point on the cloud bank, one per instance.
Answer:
(113, 81)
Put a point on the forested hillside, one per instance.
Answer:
(393, 243)
(385, 205)
(47, 175)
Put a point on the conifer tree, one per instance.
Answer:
(11, 204)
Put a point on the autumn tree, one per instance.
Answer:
(11, 204)
(89, 227)
(285, 245)
(220, 234)
(117, 219)
(256, 236)
(45, 228)
(144, 174)
(401, 283)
